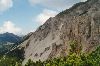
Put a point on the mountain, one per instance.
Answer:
(79, 23)
(8, 41)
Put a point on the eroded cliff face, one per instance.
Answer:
(81, 23)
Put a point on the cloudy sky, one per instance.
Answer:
(23, 16)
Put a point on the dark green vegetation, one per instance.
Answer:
(9, 61)
(75, 58)
(5, 47)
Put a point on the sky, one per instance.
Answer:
(24, 16)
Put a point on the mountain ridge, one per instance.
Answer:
(80, 23)
(8, 41)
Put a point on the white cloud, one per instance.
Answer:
(5, 5)
(46, 14)
(55, 4)
(8, 26)
(83, 0)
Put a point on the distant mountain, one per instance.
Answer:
(9, 37)
(8, 41)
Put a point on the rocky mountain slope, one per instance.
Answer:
(81, 23)
(8, 41)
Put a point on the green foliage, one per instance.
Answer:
(9, 61)
(75, 47)
(94, 57)
(31, 63)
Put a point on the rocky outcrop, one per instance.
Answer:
(81, 23)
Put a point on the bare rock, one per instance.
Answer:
(81, 23)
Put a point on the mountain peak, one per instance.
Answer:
(9, 37)
(81, 23)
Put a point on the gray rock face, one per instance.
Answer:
(81, 23)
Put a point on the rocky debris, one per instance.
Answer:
(57, 51)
